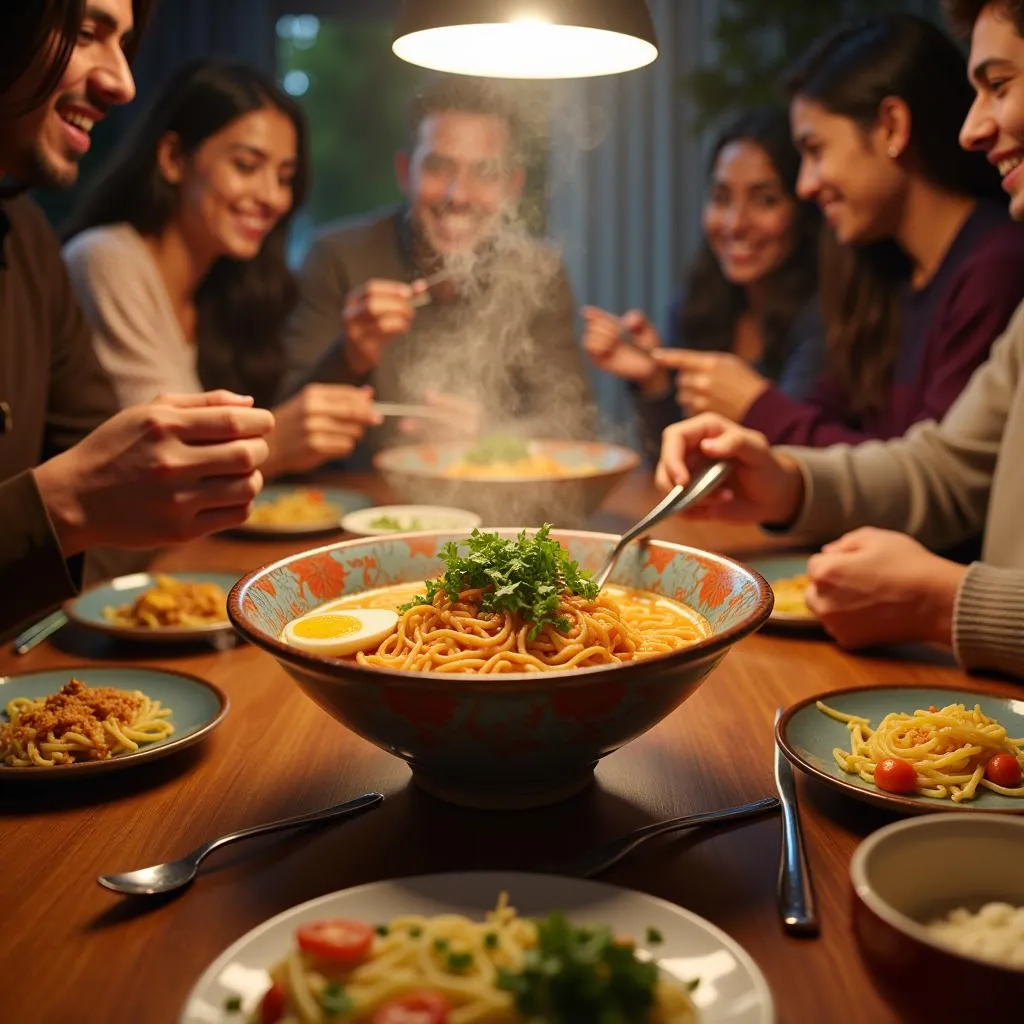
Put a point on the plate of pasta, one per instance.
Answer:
(95, 718)
(910, 748)
(482, 948)
(284, 511)
(159, 607)
(787, 575)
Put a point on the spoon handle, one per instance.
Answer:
(681, 496)
(604, 857)
(356, 806)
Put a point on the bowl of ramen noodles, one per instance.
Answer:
(938, 913)
(489, 661)
(508, 479)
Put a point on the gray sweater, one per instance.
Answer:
(944, 483)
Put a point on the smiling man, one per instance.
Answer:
(498, 332)
(73, 477)
(938, 485)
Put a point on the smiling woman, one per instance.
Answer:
(178, 256)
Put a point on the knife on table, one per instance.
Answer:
(795, 892)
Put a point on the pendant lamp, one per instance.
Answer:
(526, 38)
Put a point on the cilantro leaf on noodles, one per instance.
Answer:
(525, 576)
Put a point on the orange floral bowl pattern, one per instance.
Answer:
(514, 740)
(417, 474)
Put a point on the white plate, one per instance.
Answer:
(732, 989)
(411, 518)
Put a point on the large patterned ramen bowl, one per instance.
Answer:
(514, 740)
(562, 481)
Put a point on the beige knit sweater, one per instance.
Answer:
(945, 483)
(136, 333)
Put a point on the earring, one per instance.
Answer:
(894, 152)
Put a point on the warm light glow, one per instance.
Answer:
(528, 48)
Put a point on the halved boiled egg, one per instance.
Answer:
(340, 632)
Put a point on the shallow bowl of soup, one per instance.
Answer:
(938, 913)
(509, 480)
(517, 725)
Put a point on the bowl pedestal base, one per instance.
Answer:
(483, 795)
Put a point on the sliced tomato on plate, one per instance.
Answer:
(336, 939)
(424, 1007)
(272, 1005)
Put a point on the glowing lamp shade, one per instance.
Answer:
(526, 38)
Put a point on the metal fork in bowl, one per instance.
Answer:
(701, 484)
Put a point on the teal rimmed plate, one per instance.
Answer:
(807, 737)
(336, 503)
(88, 609)
(197, 708)
(780, 567)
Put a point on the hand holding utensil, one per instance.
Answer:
(702, 483)
(599, 860)
(795, 890)
(174, 874)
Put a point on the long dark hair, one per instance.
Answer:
(850, 73)
(713, 304)
(241, 305)
(29, 28)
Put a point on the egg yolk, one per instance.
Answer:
(326, 627)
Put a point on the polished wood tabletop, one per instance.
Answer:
(72, 951)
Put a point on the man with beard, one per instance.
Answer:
(447, 299)
(176, 468)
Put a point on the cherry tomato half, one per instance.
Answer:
(1003, 770)
(272, 1005)
(424, 1007)
(337, 940)
(895, 775)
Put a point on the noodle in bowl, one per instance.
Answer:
(507, 738)
(559, 481)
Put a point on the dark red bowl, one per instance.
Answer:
(914, 871)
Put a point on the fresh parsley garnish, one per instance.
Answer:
(335, 1001)
(497, 448)
(459, 962)
(654, 937)
(581, 974)
(525, 576)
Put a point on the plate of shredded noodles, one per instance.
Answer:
(787, 575)
(86, 719)
(482, 947)
(159, 607)
(290, 511)
(909, 748)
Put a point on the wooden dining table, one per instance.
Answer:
(73, 951)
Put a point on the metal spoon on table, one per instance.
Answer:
(174, 874)
(701, 484)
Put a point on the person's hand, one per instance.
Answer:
(876, 586)
(177, 468)
(374, 314)
(623, 345)
(713, 381)
(457, 419)
(320, 423)
(764, 487)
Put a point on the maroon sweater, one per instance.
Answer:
(947, 328)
